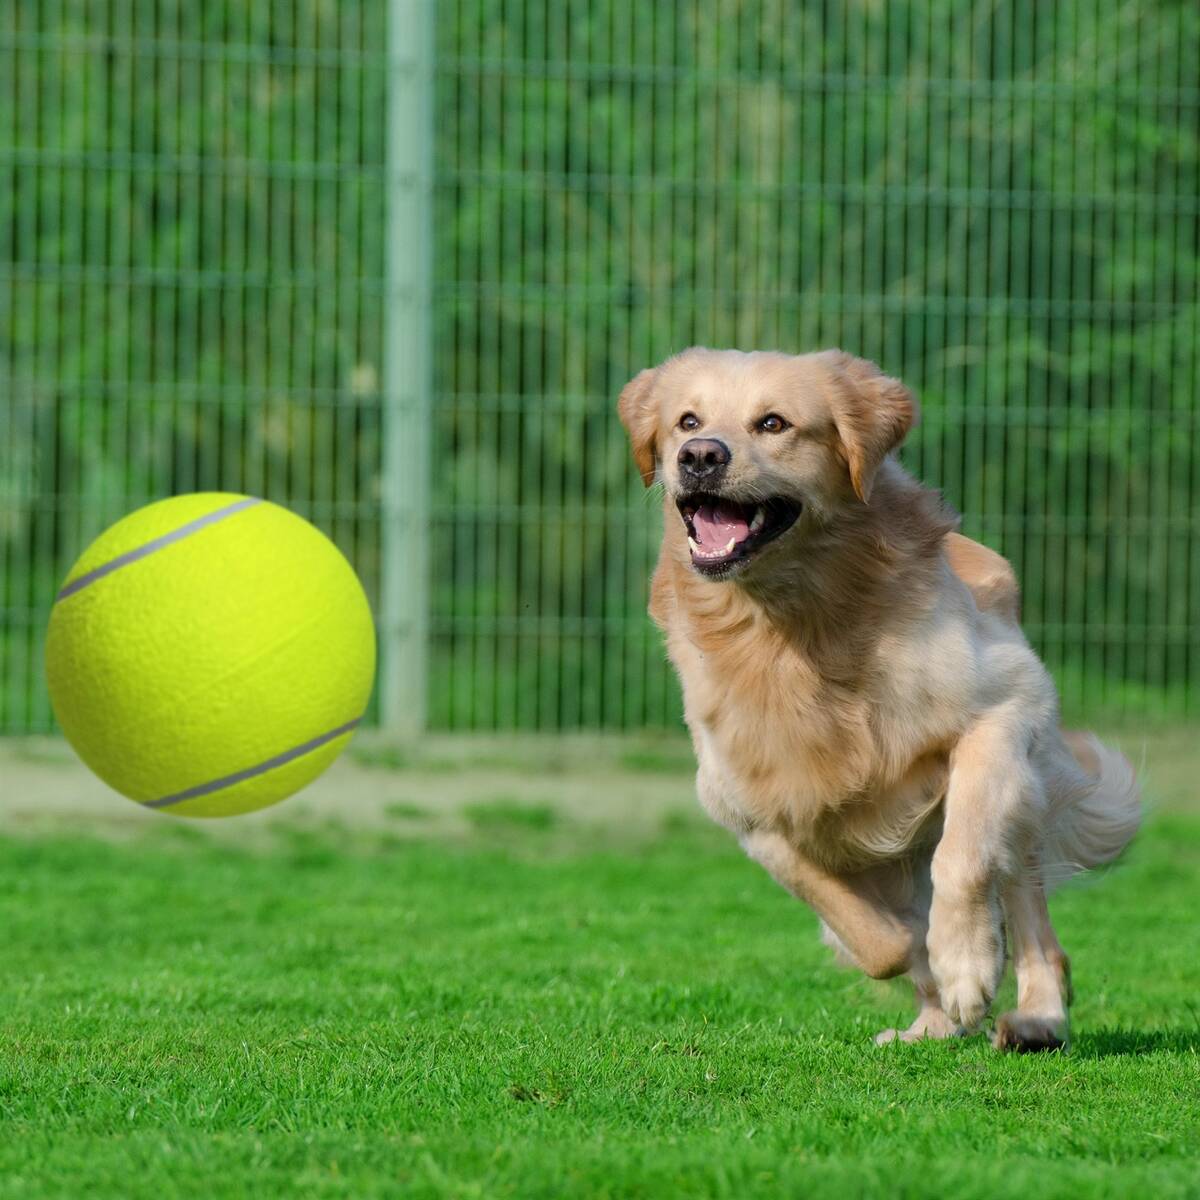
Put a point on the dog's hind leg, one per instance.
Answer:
(931, 1020)
(1039, 1022)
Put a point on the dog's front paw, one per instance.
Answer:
(966, 997)
(966, 954)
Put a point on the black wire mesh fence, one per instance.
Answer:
(999, 202)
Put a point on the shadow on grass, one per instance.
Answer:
(1118, 1043)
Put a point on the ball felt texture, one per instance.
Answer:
(210, 654)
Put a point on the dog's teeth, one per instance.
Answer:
(695, 545)
(732, 543)
(760, 516)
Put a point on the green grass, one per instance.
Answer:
(505, 814)
(341, 1013)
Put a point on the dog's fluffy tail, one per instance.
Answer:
(1095, 809)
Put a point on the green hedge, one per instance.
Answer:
(998, 203)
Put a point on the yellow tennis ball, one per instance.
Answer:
(210, 654)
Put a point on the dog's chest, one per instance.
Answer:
(770, 734)
(780, 747)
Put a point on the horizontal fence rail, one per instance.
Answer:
(998, 202)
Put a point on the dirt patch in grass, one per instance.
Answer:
(454, 788)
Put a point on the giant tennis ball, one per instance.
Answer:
(210, 655)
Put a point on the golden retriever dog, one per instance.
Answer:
(866, 713)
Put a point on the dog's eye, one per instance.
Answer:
(773, 423)
(689, 421)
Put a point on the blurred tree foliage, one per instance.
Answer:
(999, 202)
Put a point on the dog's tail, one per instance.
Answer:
(1095, 808)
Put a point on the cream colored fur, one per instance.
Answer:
(868, 718)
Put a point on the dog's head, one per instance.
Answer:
(756, 448)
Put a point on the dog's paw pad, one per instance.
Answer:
(1023, 1034)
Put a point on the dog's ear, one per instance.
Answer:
(637, 415)
(873, 413)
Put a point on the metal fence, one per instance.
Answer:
(220, 266)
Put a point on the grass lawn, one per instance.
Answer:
(525, 1006)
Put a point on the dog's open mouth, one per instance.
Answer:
(723, 532)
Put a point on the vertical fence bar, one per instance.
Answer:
(408, 368)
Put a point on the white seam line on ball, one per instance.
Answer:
(217, 785)
(158, 543)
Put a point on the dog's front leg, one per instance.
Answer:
(878, 939)
(992, 804)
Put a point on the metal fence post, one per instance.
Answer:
(408, 368)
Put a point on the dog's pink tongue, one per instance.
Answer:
(715, 525)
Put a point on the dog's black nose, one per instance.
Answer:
(703, 459)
